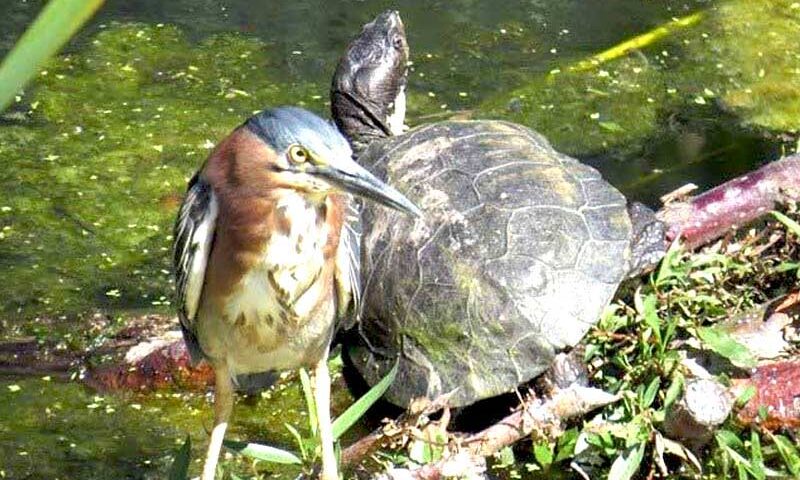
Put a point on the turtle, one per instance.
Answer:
(518, 251)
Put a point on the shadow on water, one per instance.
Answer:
(690, 147)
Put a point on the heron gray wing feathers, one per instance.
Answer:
(194, 236)
(348, 266)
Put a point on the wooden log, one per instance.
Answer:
(546, 416)
(734, 204)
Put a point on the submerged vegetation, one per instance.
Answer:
(738, 56)
(103, 157)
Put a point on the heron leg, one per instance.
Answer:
(223, 405)
(322, 397)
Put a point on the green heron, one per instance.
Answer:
(267, 256)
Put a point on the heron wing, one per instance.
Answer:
(348, 266)
(194, 235)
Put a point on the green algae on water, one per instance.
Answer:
(760, 55)
(94, 178)
(742, 57)
(62, 430)
(588, 111)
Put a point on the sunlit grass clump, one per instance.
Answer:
(635, 351)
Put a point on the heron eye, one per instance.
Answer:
(298, 154)
(397, 42)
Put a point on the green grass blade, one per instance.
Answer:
(665, 270)
(650, 393)
(627, 463)
(724, 344)
(675, 388)
(543, 453)
(360, 407)
(757, 456)
(263, 452)
(180, 464)
(56, 24)
(790, 455)
(745, 396)
(650, 315)
(790, 224)
(311, 403)
(297, 438)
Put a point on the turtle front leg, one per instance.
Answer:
(322, 397)
(223, 405)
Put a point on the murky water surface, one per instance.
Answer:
(98, 150)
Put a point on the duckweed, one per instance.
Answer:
(721, 62)
(100, 166)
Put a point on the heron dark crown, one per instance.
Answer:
(284, 126)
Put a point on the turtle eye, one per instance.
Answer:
(298, 154)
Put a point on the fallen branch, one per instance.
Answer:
(710, 215)
(461, 465)
(546, 416)
(26, 357)
(393, 431)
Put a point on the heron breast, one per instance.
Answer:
(284, 289)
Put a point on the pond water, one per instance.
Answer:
(98, 150)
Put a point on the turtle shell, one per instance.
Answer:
(520, 249)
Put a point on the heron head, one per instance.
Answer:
(308, 154)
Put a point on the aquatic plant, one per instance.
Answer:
(57, 22)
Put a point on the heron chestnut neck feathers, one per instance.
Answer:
(277, 233)
(267, 252)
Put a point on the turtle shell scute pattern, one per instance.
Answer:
(520, 249)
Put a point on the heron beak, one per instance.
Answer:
(353, 178)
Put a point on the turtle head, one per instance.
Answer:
(368, 90)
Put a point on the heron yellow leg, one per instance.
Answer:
(322, 397)
(223, 405)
